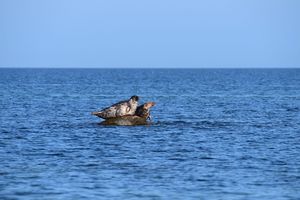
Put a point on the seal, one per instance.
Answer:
(142, 114)
(122, 108)
(144, 110)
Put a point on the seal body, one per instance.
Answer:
(120, 109)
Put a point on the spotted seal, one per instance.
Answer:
(122, 108)
(144, 110)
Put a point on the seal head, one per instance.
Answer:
(144, 110)
(134, 98)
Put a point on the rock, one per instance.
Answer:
(126, 121)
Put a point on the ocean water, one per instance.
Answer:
(216, 134)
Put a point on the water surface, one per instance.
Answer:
(217, 134)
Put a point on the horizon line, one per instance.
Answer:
(156, 67)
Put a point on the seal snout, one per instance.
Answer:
(149, 104)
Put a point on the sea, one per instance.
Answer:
(215, 134)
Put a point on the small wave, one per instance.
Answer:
(167, 123)
(200, 124)
(295, 109)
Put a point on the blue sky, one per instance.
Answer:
(154, 33)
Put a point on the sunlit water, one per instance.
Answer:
(216, 134)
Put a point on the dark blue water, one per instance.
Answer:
(217, 134)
